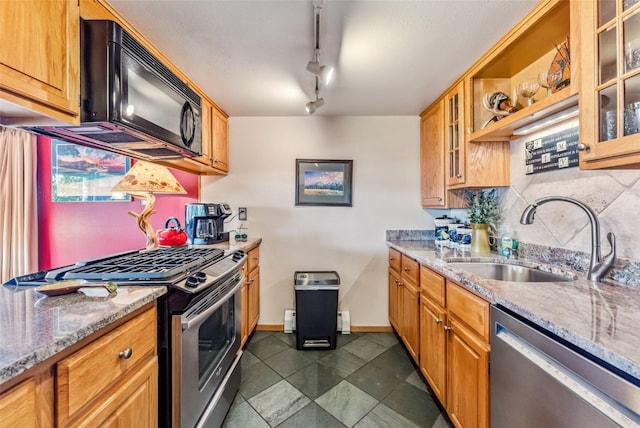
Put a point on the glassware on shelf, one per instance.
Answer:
(543, 81)
(527, 89)
(555, 79)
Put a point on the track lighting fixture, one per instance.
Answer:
(323, 73)
(312, 106)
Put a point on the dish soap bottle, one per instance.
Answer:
(508, 244)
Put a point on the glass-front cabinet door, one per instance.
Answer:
(454, 136)
(610, 88)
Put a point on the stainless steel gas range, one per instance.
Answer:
(198, 324)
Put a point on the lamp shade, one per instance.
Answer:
(147, 177)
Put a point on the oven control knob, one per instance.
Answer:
(200, 276)
(237, 255)
(191, 282)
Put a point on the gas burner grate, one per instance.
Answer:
(158, 264)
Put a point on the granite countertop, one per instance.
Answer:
(600, 318)
(34, 327)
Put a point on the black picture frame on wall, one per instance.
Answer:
(324, 182)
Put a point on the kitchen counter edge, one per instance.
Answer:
(621, 356)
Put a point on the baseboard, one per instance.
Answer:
(357, 328)
(270, 327)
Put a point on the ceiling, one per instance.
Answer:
(392, 57)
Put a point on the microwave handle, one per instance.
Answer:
(187, 122)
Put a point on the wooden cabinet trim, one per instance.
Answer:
(395, 259)
(410, 270)
(469, 309)
(433, 285)
(87, 374)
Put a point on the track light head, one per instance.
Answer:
(312, 106)
(323, 71)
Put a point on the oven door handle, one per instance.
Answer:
(197, 319)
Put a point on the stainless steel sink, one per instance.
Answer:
(507, 272)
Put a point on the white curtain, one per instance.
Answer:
(18, 203)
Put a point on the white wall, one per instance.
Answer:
(350, 240)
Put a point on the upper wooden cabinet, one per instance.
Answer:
(40, 61)
(449, 163)
(542, 42)
(215, 144)
(432, 175)
(610, 85)
(455, 142)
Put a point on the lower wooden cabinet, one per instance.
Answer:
(433, 347)
(250, 294)
(404, 300)
(410, 325)
(454, 348)
(29, 404)
(111, 377)
(111, 381)
(394, 298)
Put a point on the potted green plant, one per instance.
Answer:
(483, 211)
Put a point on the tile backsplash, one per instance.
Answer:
(561, 231)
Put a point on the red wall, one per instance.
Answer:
(73, 231)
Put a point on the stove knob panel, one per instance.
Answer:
(191, 282)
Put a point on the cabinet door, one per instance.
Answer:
(610, 83)
(454, 136)
(411, 319)
(207, 134)
(87, 376)
(432, 157)
(220, 141)
(433, 347)
(133, 404)
(29, 404)
(468, 377)
(394, 286)
(253, 289)
(40, 58)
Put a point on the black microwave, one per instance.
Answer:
(131, 103)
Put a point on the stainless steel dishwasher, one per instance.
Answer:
(536, 381)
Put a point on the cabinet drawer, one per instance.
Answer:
(410, 270)
(394, 259)
(432, 285)
(253, 259)
(468, 308)
(88, 373)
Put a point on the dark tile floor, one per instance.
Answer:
(369, 381)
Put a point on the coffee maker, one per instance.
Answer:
(204, 223)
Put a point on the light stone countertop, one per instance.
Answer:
(603, 319)
(34, 327)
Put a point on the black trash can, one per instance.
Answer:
(316, 309)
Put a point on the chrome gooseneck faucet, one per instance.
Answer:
(598, 267)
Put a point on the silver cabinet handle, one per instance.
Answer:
(582, 147)
(406, 269)
(446, 328)
(438, 320)
(126, 354)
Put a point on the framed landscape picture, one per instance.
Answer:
(324, 182)
(84, 174)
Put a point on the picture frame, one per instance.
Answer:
(324, 182)
(85, 174)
